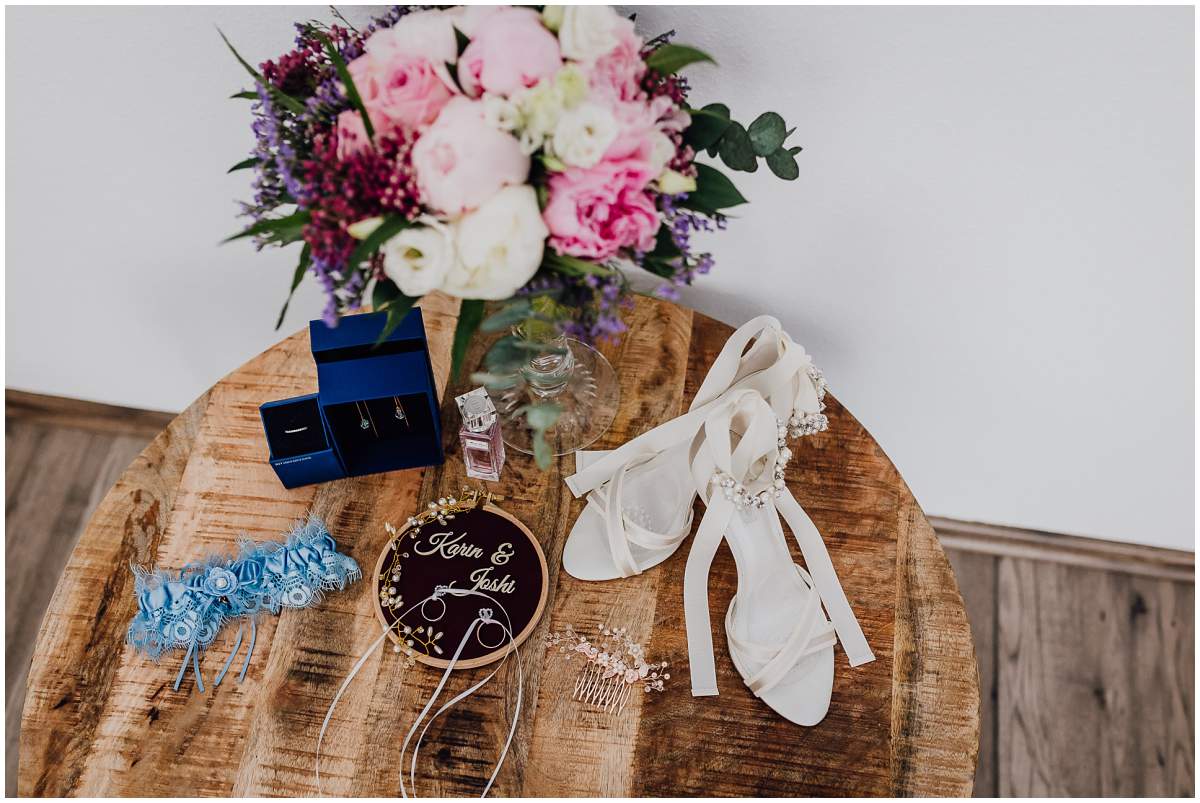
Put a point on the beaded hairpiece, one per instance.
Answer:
(185, 610)
(612, 665)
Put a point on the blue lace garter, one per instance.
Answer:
(186, 610)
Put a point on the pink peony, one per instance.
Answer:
(461, 161)
(617, 75)
(399, 91)
(594, 212)
(512, 50)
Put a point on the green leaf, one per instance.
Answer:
(244, 95)
(297, 277)
(783, 164)
(275, 228)
(707, 126)
(541, 417)
(242, 165)
(508, 316)
(664, 243)
(288, 102)
(389, 228)
(461, 40)
(384, 293)
(767, 133)
(470, 313)
(736, 150)
(339, 65)
(494, 381)
(573, 266)
(670, 59)
(714, 189)
(395, 315)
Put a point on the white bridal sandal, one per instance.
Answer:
(639, 504)
(779, 638)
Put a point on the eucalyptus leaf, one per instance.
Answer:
(290, 103)
(343, 73)
(389, 228)
(505, 357)
(243, 165)
(795, 150)
(669, 58)
(494, 381)
(508, 316)
(542, 455)
(783, 164)
(767, 133)
(736, 150)
(297, 277)
(542, 415)
(470, 313)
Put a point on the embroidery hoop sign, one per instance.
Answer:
(464, 543)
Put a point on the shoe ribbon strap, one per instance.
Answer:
(622, 531)
(749, 467)
(810, 633)
(775, 367)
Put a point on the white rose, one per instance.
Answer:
(428, 34)
(674, 183)
(419, 258)
(587, 32)
(584, 134)
(499, 246)
(662, 151)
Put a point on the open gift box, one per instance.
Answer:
(376, 408)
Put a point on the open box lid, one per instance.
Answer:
(352, 365)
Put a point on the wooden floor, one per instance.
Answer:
(1086, 649)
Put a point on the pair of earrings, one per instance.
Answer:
(367, 422)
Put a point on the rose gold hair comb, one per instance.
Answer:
(612, 667)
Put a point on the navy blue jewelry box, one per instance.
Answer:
(376, 408)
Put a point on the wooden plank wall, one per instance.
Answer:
(1086, 649)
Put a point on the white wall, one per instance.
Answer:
(989, 249)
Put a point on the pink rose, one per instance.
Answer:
(461, 161)
(512, 50)
(399, 91)
(617, 75)
(594, 212)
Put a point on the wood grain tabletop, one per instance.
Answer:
(100, 719)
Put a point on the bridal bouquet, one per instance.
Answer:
(518, 154)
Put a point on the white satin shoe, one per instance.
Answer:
(640, 499)
(779, 637)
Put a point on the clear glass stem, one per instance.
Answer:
(549, 372)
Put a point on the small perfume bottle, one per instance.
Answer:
(482, 443)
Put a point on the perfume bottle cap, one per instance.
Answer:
(477, 410)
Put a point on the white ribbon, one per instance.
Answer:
(485, 617)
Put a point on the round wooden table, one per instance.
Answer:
(100, 719)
